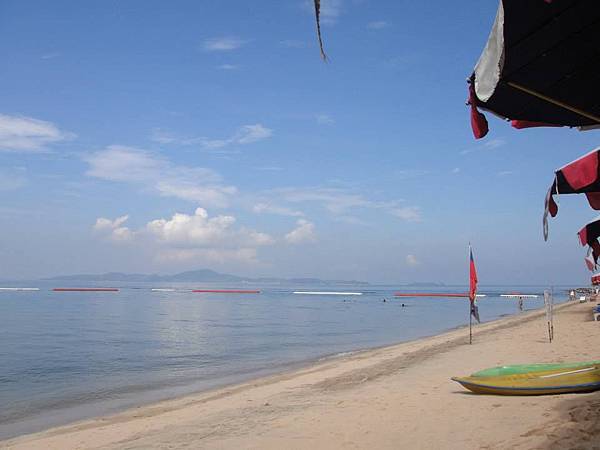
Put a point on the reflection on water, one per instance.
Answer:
(69, 355)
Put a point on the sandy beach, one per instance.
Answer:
(394, 397)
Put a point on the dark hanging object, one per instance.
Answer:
(318, 17)
(541, 64)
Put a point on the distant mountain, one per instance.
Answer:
(195, 276)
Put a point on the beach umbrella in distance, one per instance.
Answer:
(578, 177)
(589, 235)
(540, 66)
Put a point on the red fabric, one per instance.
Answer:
(593, 199)
(583, 236)
(595, 250)
(582, 172)
(479, 123)
(520, 124)
(552, 206)
(589, 262)
(472, 277)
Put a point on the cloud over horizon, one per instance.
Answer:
(190, 237)
(113, 228)
(339, 201)
(26, 134)
(304, 232)
(155, 173)
(244, 135)
(223, 44)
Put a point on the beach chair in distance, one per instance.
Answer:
(582, 299)
(596, 312)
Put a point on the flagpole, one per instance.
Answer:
(470, 305)
(470, 324)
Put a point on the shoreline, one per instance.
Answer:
(277, 404)
(117, 400)
(76, 413)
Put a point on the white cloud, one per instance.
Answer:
(252, 133)
(340, 201)
(107, 224)
(198, 230)
(154, 173)
(330, 10)
(456, 170)
(191, 237)
(324, 119)
(114, 228)
(26, 134)
(246, 134)
(260, 208)
(492, 144)
(407, 213)
(412, 260)
(163, 137)
(304, 232)
(228, 67)
(222, 44)
(377, 25)
(335, 200)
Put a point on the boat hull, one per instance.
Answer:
(557, 381)
(529, 368)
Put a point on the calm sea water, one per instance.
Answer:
(65, 356)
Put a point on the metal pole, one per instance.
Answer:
(554, 101)
(551, 313)
(470, 324)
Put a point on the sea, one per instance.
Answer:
(67, 356)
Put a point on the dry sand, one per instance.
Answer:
(398, 397)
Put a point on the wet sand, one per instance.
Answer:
(389, 398)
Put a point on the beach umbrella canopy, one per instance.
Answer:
(540, 66)
(589, 235)
(581, 176)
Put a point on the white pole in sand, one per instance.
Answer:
(470, 324)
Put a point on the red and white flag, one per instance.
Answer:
(473, 285)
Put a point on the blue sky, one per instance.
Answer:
(151, 136)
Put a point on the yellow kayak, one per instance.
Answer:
(556, 381)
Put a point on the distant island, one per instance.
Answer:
(196, 276)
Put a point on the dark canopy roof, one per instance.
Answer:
(542, 63)
(581, 176)
(589, 235)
